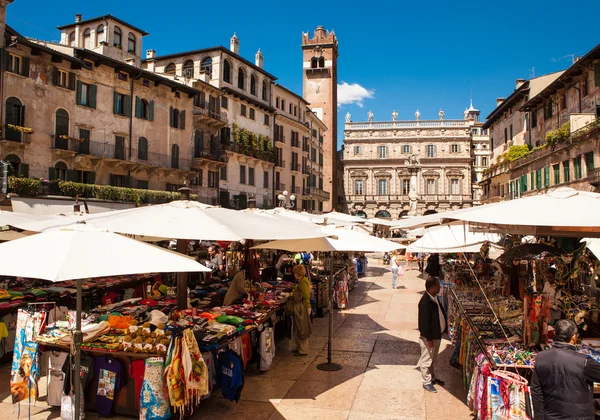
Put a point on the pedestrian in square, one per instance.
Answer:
(432, 324)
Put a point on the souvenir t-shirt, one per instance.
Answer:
(231, 376)
(212, 373)
(3, 335)
(266, 348)
(109, 379)
(11, 324)
(54, 361)
(86, 372)
(136, 372)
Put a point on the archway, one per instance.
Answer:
(361, 214)
(383, 214)
(429, 212)
(402, 214)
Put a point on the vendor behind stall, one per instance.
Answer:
(553, 296)
(238, 288)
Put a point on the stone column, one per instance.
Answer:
(413, 194)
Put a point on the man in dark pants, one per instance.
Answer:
(432, 324)
(562, 382)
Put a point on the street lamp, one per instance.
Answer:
(287, 202)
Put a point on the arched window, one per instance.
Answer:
(14, 115)
(15, 163)
(264, 90)
(383, 214)
(100, 35)
(175, 156)
(142, 148)
(198, 143)
(188, 69)
(87, 39)
(253, 85)
(117, 37)
(241, 79)
(61, 129)
(144, 109)
(175, 121)
(403, 213)
(131, 43)
(72, 39)
(170, 69)
(226, 71)
(362, 214)
(321, 61)
(428, 212)
(313, 63)
(61, 170)
(206, 65)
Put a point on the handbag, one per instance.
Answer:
(400, 270)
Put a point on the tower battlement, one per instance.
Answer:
(321, 37)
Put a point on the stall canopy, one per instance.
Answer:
(421, 221)
(560, 212)
(450, 239)
(190, 220)
(334, 215)
(383, 222)
(338, 239)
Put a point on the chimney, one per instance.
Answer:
(259, 59)
(499, 101)
(234, 44)
(519, 83)
(78, 17)
(320, 32)
(150, 54)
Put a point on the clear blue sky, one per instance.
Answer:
(409, 54)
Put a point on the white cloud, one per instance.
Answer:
(353, 94)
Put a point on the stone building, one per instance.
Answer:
(400, 168)
(74, 114)
(320, 54)
(480, 150)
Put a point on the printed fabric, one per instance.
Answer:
(154, 403)
(109, 379)
(175, 376)
(231, 375)
(196, 372)
(25, 370)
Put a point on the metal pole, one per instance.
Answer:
(330, 366)
(182, 278)
(76, 375)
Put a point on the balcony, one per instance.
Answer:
(319, 193)
(296, 167)
(280, 163)
(297, 190)
(295, 143)
(280, 138)
(594, 177)
(206, 117)
(14, 140)
(399, 198)
(306, 169)
(212, 159)
(266, 155)
(280, 187)
(305, 148)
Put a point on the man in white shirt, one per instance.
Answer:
(432, 324)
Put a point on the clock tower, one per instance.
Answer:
(319, 74)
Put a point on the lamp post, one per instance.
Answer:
(287, 202)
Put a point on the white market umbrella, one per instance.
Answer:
(383, 222)
(194, 221)
(338, 240)
(81, 252)
(9, 218)
(421, 221)
(451, 239)
(343, 217)
(559, 212)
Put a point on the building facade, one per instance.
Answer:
(320, 54)
(399, 168)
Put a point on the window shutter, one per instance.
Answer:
(93, 91)
(128, 105)
(138, 104)
(52, 174)
(170, 116)
(22, 115)
(5, 56)
(115, 102)
(24, 170)
(151, 111)
(91, 178)
(78, 93)
(25, 67)
(55, 76)
(72, 175)
(597, 74)
(71, 81)
(182, 120)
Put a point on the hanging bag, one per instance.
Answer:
(400, 269)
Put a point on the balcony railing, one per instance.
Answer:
(405, 124)
(427, 198)
(296, 143)
(306, 169)
(280, 138)
(267, 156)
(280, 163)
(16, 136)
(280, 187)
(204, 113)
(297, 190)
(305, 148)
(318, 193)
(296, 167)
(594, 176)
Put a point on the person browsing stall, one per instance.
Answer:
(563, 379)
(215, 259)
(553, 296)
(238, 288)
(432, 324)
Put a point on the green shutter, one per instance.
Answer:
(182, 120)
(538, 178)
(547, 176)
(128, 106)
(55, 76)
(72, 175)
(115, 102)
(91, 178)
(597, 74)
(71, 81)
(93, 92)
(138, 105)
(151, 111)
(25, 67)
(24, 170)
(78, 93)
(52, 174)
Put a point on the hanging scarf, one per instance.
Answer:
(196, 371)
(175, 377)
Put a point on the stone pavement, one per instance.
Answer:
(376, 342)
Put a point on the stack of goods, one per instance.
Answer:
(512, 355)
